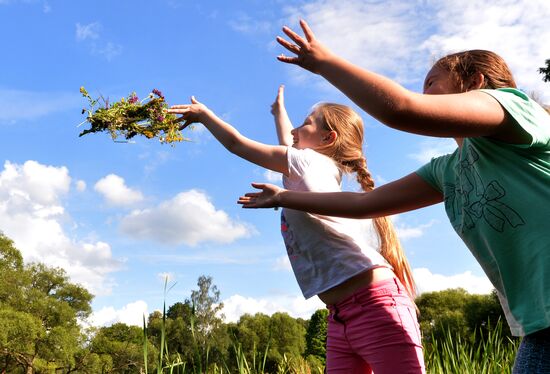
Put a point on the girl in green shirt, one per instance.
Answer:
(494, 186)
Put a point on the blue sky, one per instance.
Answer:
(121, 217)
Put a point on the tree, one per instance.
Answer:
(194, 329)
(119, 348)
(178, 329)
(39, 313)
(12, 276)
(316, 335)
(277, 335)
(441, 312)
(252, 334)
(209, 332)
(457, 312)
(545, 71)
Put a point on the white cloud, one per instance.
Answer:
(80, 185)
(131, 314)
(433, 148)
(108, 50)
(18, 105)
(273, 177)
(32, 215)
(426, 281)
(248, 25)
(295, 305)
(114, 190)
(39, 182)
(282, 264)
(189, 218)
(409, 232)
(402, 38)
(90, 34)
(382, 36)
(167, 277)
(380, 180)
(89, 31)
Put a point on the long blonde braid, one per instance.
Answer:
(347, 150)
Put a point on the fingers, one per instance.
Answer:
(280, 95)
(194, 101)
(288, 45)
(246, 202)
(288, 59)
(281, 91)
(307, 31)
(259, 186)
(182, 110)
(295, 37)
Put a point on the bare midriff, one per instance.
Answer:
(347, 288)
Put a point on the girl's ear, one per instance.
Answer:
(330, 137)
(475, 82)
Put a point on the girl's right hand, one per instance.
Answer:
(279, 102)
(190, 113)
(268, 198)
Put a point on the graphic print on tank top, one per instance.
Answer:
(288, 238)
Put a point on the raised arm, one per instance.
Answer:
(403, 195)
(468, 114)
(282, 121)
(272, 157)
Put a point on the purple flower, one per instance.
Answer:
(158, 93)
(133, 99)
(160, 118)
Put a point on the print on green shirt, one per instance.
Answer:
(479, 200)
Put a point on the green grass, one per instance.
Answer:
(493, 354)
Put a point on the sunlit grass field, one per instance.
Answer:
(490, 354)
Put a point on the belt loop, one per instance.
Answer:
(335, 315)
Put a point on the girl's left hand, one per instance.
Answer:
(190, 113)
(310, 53)
(279, 102)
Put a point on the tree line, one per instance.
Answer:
(41, 330)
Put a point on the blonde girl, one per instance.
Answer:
(356, 267)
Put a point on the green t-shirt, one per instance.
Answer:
(497, 197)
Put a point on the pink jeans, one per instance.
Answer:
(375, 330)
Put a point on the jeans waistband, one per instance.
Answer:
(387, 286)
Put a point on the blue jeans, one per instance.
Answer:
(533, 356)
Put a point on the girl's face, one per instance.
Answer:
(439, 82)
(311, 134)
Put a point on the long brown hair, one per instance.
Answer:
(347, 151)
(463, 65)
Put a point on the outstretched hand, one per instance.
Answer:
(310, 53)
(190, 113)
(268, 198)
